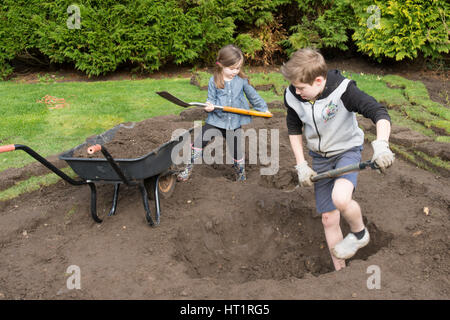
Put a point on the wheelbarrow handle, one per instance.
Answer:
(35, 155)
(97, 147)
(7, 148)
(340, 171)
(93, 149)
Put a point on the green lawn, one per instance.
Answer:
(94, 107)
(33, 184)
(408, 103)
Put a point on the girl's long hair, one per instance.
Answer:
(228, 56)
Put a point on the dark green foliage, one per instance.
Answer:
(147, 33)
(152, 33)
(323, 24)
(394, 29)
(404, 28)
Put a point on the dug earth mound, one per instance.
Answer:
(134, 140)
(220, 239)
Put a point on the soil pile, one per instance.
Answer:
(134, 140)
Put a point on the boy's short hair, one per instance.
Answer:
(304, 66)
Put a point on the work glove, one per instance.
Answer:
(382, 155)
(304, 174)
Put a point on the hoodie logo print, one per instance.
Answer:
(329, 111)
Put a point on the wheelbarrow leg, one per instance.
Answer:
(157, 206)
(146, 206)
(94, 203)
(115, 197)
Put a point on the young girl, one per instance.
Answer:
(227, 88)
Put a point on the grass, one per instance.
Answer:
(398, 118)
(418, 158)
(273, 78)
(47, 78)
(410, 97)
(68, 216)
(375, 86)
(33, 184)
(398, 150)
(408, 101)
(433, 160)
(445, 139)
(276, 79)
(93, 107)
(403, 153)
(417, 94)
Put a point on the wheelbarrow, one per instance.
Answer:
(152, 172)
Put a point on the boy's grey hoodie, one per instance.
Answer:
(329, 123)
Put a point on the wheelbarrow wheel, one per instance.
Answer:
(166, 186)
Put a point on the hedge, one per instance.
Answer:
(149, 34)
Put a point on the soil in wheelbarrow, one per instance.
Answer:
(134, 140)
(221, 239)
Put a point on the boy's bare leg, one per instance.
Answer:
(350, 209)
(333, 234)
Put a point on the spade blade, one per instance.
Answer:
(173, 99)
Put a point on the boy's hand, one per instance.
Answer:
(304, 174)
(209, 107)
(382, 155)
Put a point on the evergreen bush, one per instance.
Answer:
(149, 34)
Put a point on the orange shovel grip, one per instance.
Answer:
(248, 112)
(7, 148)
(93, 149)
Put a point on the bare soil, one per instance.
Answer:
(135, 140)
(220, 239)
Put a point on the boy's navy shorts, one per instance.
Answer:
(324, 187)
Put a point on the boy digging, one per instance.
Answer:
(321, 105)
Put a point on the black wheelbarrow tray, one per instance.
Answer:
(152, 173)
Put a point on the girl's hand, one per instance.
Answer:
(209, 107)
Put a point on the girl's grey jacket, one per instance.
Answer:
(330, 125)
(232, 95)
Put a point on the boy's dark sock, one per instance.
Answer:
(360, 235)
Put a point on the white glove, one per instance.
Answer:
(382, 155)
(304, 174)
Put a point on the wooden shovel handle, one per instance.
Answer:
(248, 112)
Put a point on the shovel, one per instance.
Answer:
(181, 103)
(340, 171)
